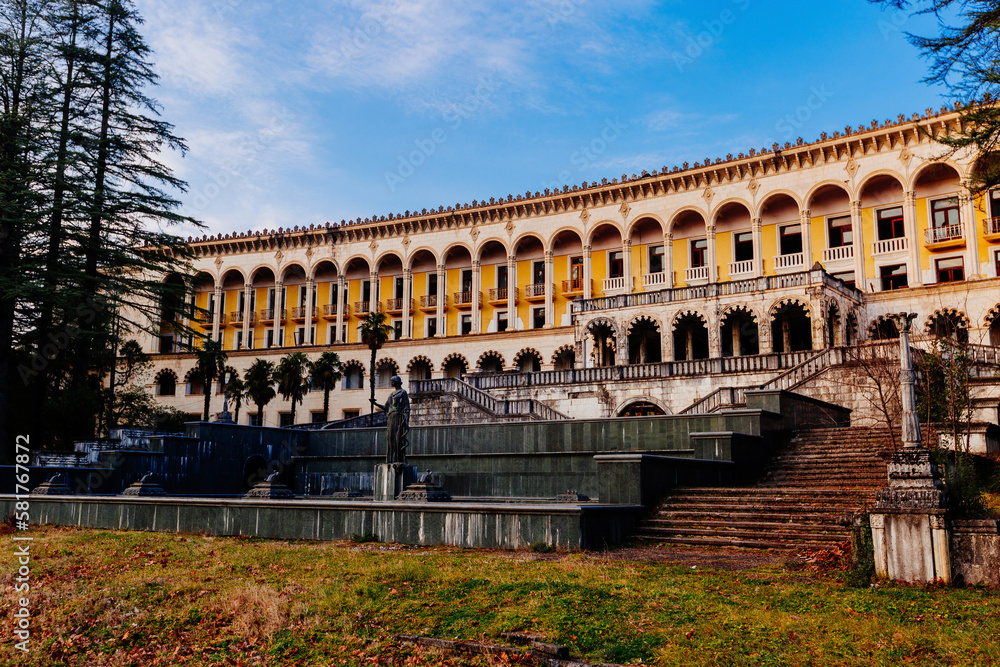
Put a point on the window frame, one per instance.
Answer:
(883, 277)
(933, 211)
(659, 254)
(737, 244)
(616, 264)
(893, 223)
(698, 254)
(950, 271)
(784, 236)
(841, 231)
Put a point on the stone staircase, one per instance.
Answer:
(824, 476)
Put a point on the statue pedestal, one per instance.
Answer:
(392, 478)
(908, 521)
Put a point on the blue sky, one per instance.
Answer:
(324, 110)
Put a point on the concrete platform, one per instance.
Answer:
(464, 524)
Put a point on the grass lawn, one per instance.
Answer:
(130, 598)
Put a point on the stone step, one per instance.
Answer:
(775, 535)
(709, 516)
(831, 511)
(736, 543)
(724, 525)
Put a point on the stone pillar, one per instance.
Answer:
(511, 286)
(859, 247)
(967, 213)
(476, 289)
(391, 479)
(278, 305)
(914, 275)
(247, 299)
(407, 288)
(713, 269)
(908, 520)
(627, 264)
(442, 275)
(549, 275)
(587, 273)
(735, 334)
(216, 313)
(805, 225)
(306, 334)
(758, 248)
(373, 292)
(668, 259)
(341, 300)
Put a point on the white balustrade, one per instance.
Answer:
(839, 253)
(741, 268)
(889, 245)
(654, 279)
(695, 274)
(794, 260)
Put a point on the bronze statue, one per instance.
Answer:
(397, 410)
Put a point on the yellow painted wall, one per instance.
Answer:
(769, 247)
(723, 253)
(682, 260)
(817, 235)
(599, 270)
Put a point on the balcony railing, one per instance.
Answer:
(942, 234)
(237, 316)
(618, 285)
(363, 307)
(396, 305)
(464, 299)
(573, 287)
(330, 311)
(794, 260)
(654, 279)
(838, 253)
(300, 312)
(743, 268)
(267, 314)
(536, 291)
(696, 274)
(499, 294)
(430, 302)
(890, 245)
(991, 226)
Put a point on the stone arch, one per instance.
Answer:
(642, 406)
(353, 375)
(929, 165)
(478, 254)
(642, 317)
(600, 224)
(742, 324)
(385, 368)
(293, 264)
(455, 365)
(880, 173)
(689, 329)
(315, 267)
(490, 361)
(992, 323)
(530, 234)
(252, 274)
(726, 203)
(630, 227)
(681, 212)
(528, 360)
(420, 363)
(224, 274)
(791, 325)
(413, 254)
(644, 333)
(564, 358)
(603, 336)
(775, 194)
(948, 323)
(386, 254)
(883, 327)
(194, 381)
(165, 382)
(828, 183)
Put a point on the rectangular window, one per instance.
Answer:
(285, 419)
(351, 414)
(847, 277)
(996, 263)
(166, 344)
(253, 419)
(211, 306)
(616, 264)
(269, 339)
(951, 270)
(742, 246)
(944, 212)
(238, 339)
(889, 222)
(316, 417)
(893, 277)
(431, 325)
(299, 333)
(466, 280)
(790, 239)
(699, 253)
(466, 324)
(241, 300)
(656, 259)
(537, 318)
(302, 296)
(397, 329)
(366, 290)
(432, 284)
(398, 288)
(576, 268)
(501, 320)
(538, 272)
(995, 204)
(840, 231)
(502, 276)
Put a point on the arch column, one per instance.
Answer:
(476, 288)
(668, 258)
(511, 286)
(549, 310)
(758, 247)
(915, 277)
(407, 288)
(627, 264)
(307, 333)
(216, 321)
(713, 270)
(805, 226)
(247, 298)
(860, 280)
(714, 337)
(587, 273)
(278, 304)
(341, 297)
(967, 211)
(439, 312)
(373, 292)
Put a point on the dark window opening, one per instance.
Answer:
(951, 270)
(616, 264)
(893, 277)
(537, 318)
(841, 232)
(944, 212)
(699, 253)
(743, 246)
(890, 223)
(791, 239)
(656, 259)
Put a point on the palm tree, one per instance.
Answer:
(325, 373)
(290, 376)
(374, 333)
(259, 381)
(237, 390)
(210, 361)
